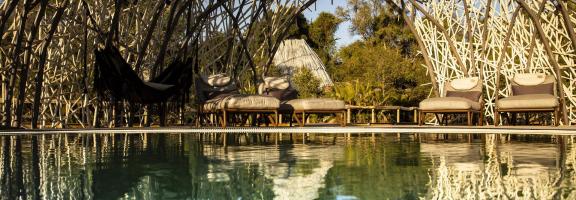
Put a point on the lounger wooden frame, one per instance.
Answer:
(469, 115)
(306, 113)
(223, 115)
(555, 111)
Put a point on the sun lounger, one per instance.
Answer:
(218, 94)
(460, 96)
(281, 89)
(534, 92)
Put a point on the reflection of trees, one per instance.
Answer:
(145, 166)
(372, 169)
(86, 166)
(509, 170)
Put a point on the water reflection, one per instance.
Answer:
(287, 166)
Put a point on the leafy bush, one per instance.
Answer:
(306, 83)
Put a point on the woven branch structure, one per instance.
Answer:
(469, 38)
(230, 36)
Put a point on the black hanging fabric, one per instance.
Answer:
(114, 77)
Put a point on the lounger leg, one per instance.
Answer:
(513, 118)
(496, 117)
(224, 118)
(481, 118)
(469, 118)
(297, 118)
(420, 117)
(343, 118)
(303, 119)
(276, 119)
(556, 116)
(197, 120)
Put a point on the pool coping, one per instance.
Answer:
(532, 130)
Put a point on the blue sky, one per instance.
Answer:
(343, 35)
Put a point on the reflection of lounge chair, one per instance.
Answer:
(460, 96)
(218, 94)
(282, 90)
(530, 93)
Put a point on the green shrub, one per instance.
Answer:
(306, 83)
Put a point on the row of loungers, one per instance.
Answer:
(219, 95)
(535, 92)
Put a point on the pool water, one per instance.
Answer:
(287, 166)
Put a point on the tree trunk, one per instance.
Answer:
(27, 62)
(567, 22)
(469, 38)
(16, 64)
(6, 15)
(172, 21)
(157, 11)
(39, 80)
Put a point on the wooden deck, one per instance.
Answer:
(546, 130)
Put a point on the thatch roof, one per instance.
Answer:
(294, 54)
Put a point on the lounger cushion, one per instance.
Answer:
(276, 82)
(471, 95)
(529, 78)
(313, 104)
(212, 105)
(464, 83)
(251, 102)
(217, 80)
(530, 101)
(242, 102)
(449, 103)
(533, 89)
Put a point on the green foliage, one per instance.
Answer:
(391, 79)
(377, 23)
(306, 83)
(383, 68)
(358, 93)
(322, 33)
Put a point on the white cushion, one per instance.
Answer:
(529, 79)
(242, 102)
(217, 80)
(528, 101)
(251, 102)
(464, 83)
(276, 83)
(449, 103)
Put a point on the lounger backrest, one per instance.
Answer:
(533, 83)
(214, 86)
(470, 88)
(278, 87)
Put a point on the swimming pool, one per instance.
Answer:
(287, 166)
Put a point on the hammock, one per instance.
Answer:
(114, 77)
